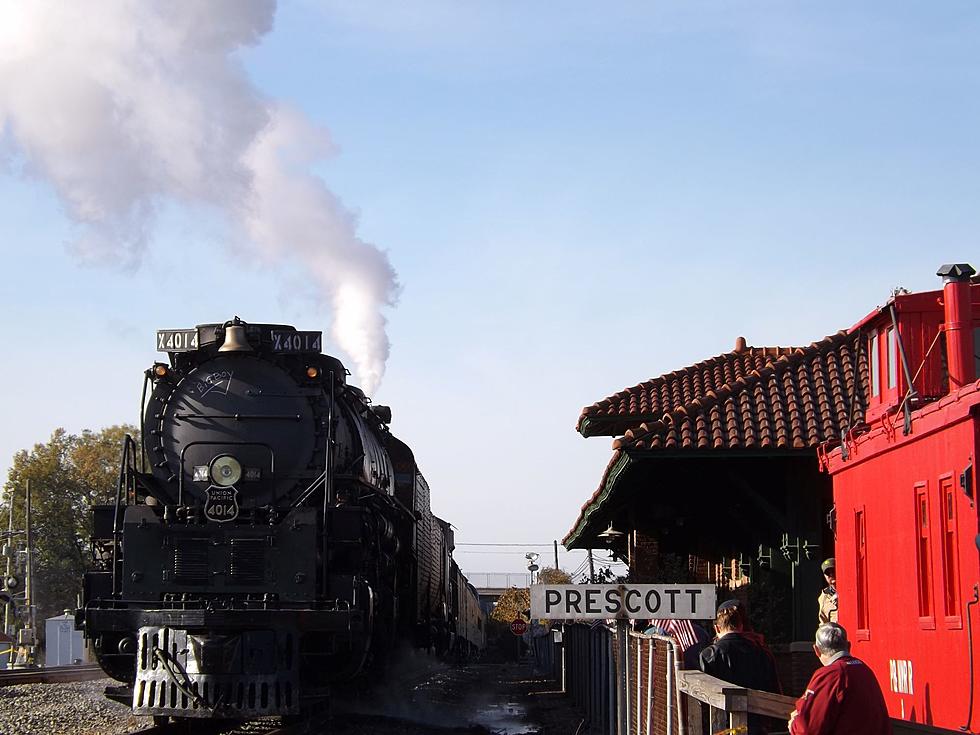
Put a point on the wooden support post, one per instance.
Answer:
(737, 705)
(611, 686)
(623, 676)
(717, 720)
(694, 724)
(739, 719)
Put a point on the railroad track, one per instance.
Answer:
(202, 727)
(50, 675)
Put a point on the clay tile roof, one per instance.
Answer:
(750, 398)
(766, 398)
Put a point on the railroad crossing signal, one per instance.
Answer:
(518, 627)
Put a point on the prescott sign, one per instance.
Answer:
(602, 601)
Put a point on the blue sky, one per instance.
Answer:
(575, 198)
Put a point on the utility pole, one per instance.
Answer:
(27, 636)
(9, 549)
(29, 583)
(591, 568)
(556, 555)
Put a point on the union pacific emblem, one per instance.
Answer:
(221, 504)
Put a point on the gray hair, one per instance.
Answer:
(832, 638)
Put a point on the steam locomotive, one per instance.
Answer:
(270, 538)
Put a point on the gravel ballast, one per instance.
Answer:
(77, 708)
(425, 698)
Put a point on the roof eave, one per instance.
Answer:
(613, 472)
(589, 426)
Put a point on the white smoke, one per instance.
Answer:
(127, 106)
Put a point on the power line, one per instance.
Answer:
(522, 545)
(494, 553)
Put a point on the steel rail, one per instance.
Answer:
(51, 674)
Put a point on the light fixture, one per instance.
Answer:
(611, 535)
(225, 470)
(312, 372)
(160, 370)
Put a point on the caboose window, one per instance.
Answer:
(874, 357)
(950, 587)
(976, 352)
(922, 550)
(861, 573)
(892, 359)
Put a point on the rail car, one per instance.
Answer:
(270, 539)
(905, 494)
(469, 632)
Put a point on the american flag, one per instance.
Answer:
(681, 630)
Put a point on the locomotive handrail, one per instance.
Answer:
(126, 477)
(240, 416)
(146, 382)
(328, 472)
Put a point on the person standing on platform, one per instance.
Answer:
(739, 660)
(843, 696)
(827, 600)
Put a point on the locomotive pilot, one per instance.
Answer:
(828, 596)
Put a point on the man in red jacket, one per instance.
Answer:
(843, 696)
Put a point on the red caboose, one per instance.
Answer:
(905, 499)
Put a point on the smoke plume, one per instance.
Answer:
(128, 106)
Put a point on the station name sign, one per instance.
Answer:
(635, 601)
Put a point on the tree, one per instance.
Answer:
(68, 474)
(513, 603)
(550, 575)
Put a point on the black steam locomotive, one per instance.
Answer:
(270, 537)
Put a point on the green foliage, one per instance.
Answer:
(67, 474)
(606, 575)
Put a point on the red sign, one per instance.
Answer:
(518, 627)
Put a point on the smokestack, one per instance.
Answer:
(959, 323)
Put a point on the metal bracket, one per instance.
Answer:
(798, 550)
(832, 519)
(966, 481)
(791, 552)
(744, 566)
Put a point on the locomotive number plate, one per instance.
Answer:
(221, 505)
(283, 341)
(176, 340)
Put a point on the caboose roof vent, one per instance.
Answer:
(957, 307)
(956, 272)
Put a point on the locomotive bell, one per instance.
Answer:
(235, 340)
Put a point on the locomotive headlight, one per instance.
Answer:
(226, 470)
(312, 372)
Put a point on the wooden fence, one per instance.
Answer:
(649, 694)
